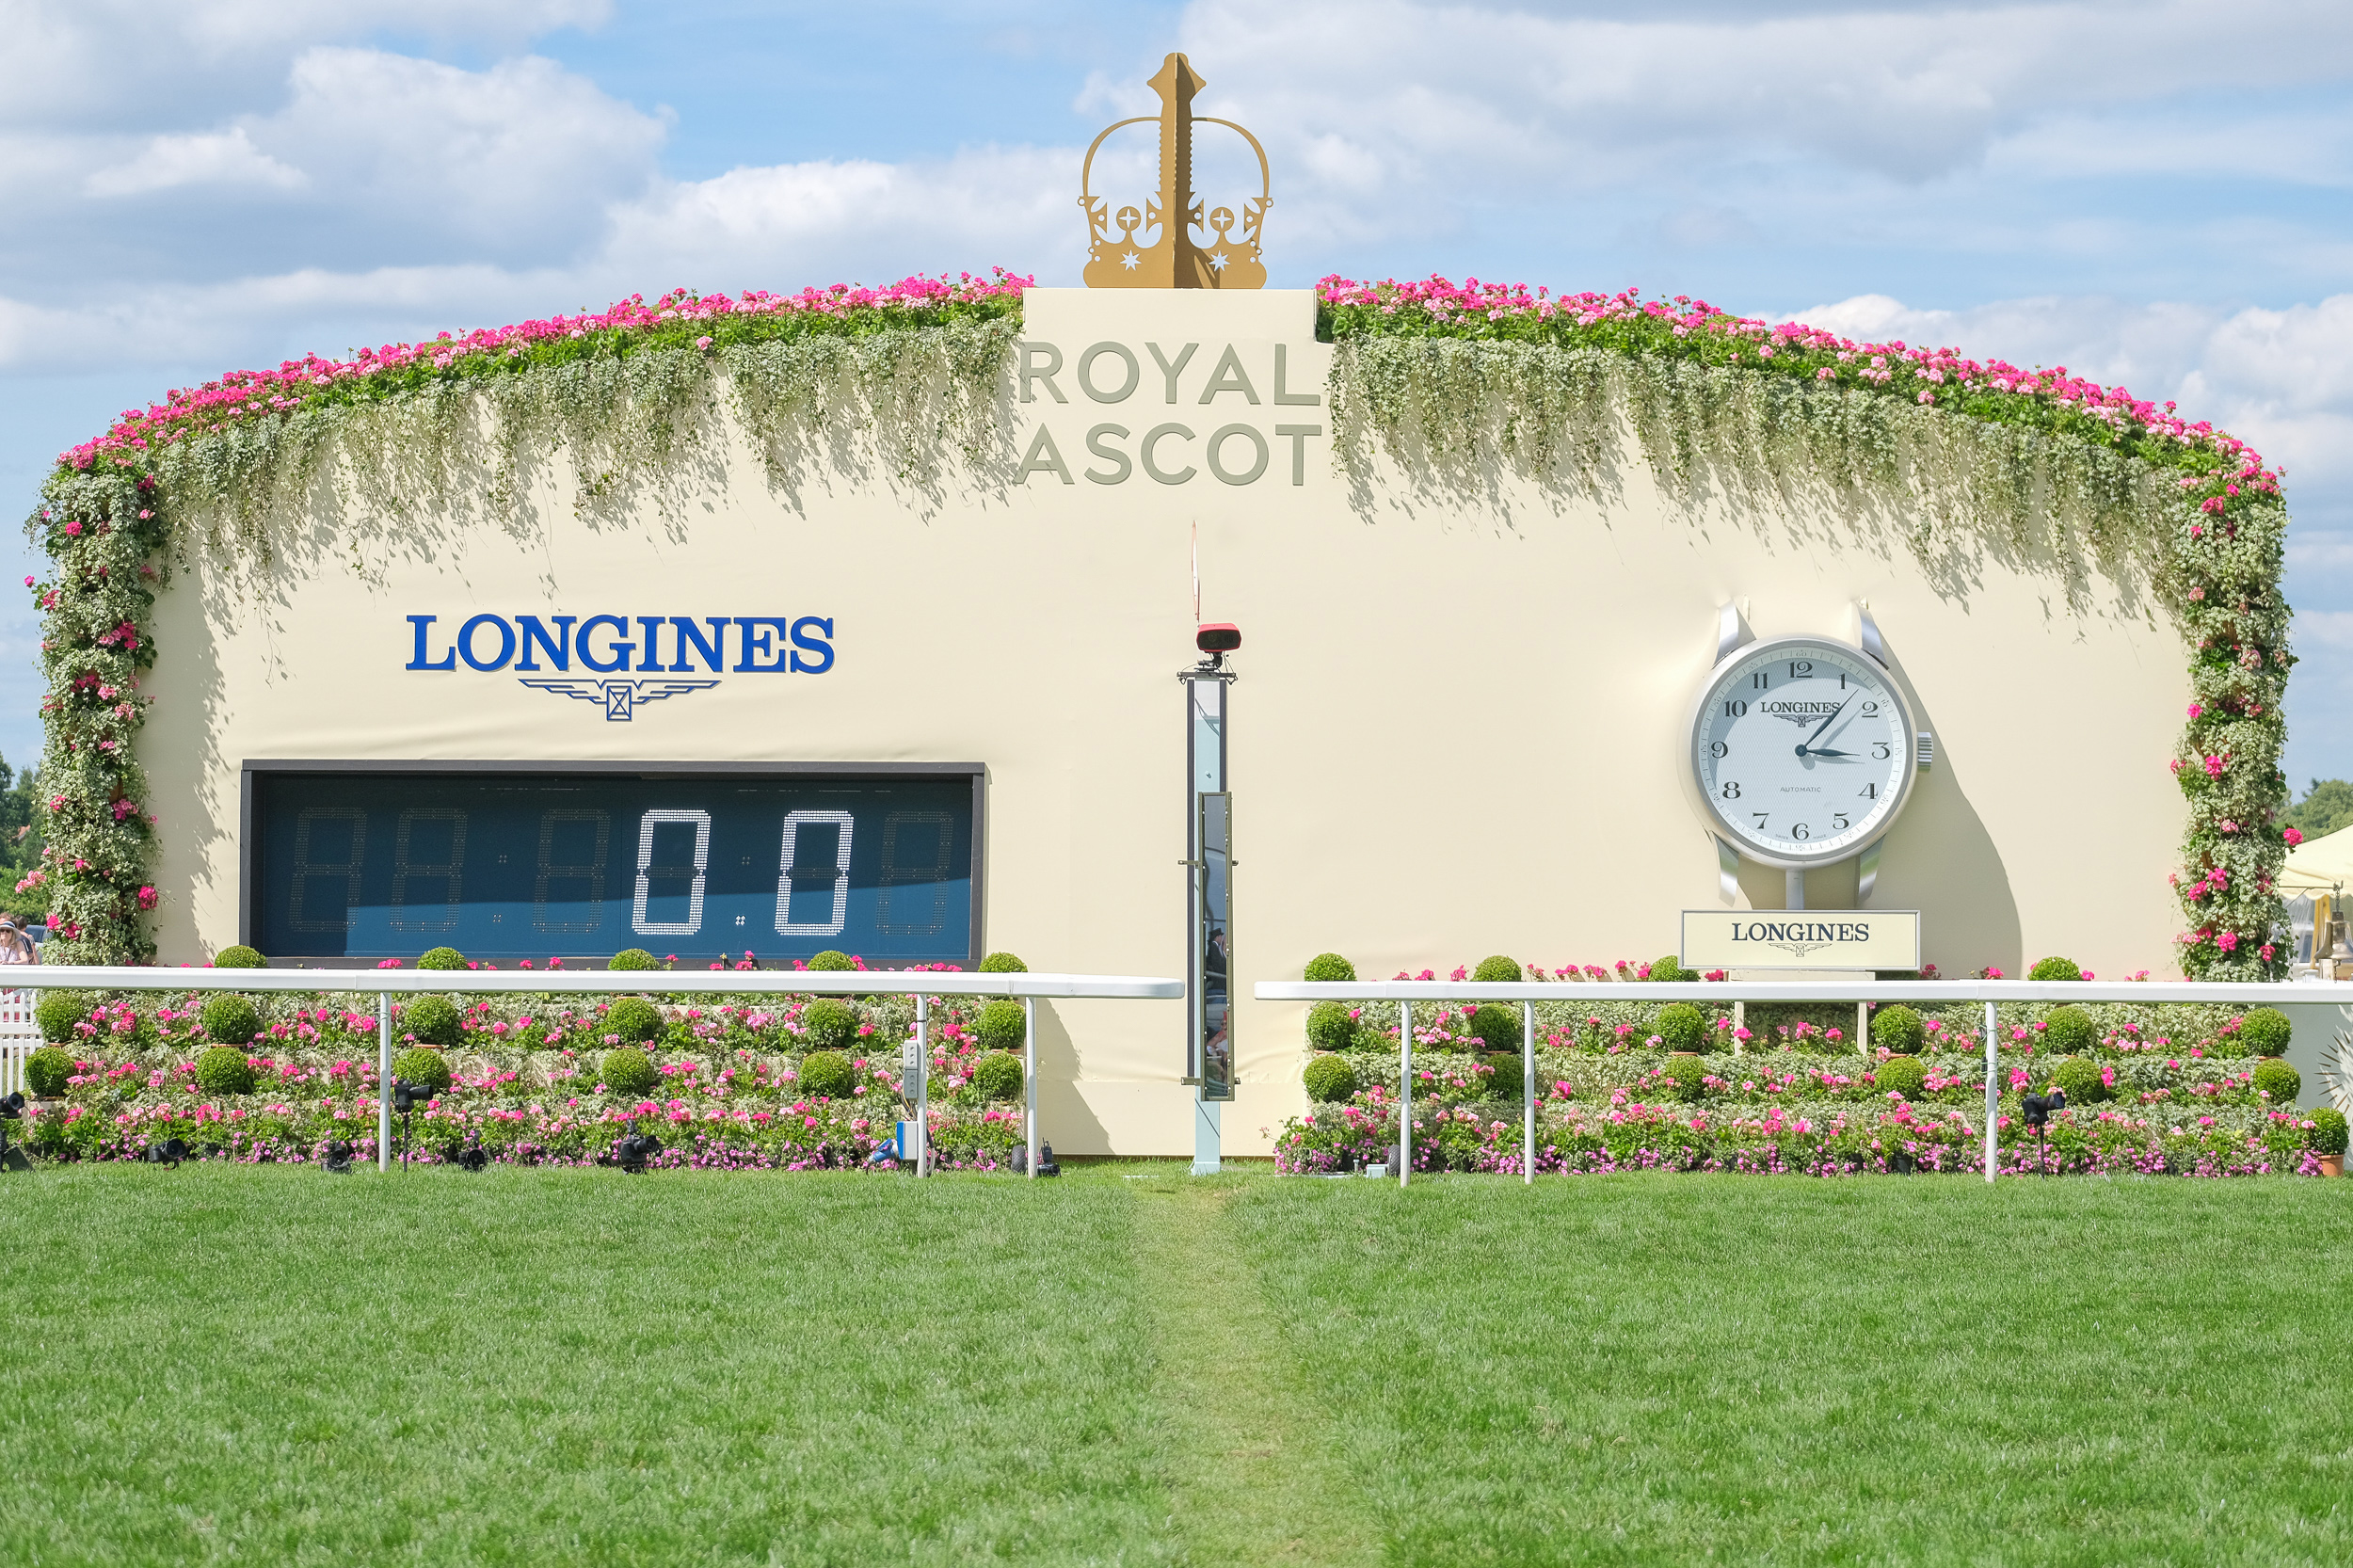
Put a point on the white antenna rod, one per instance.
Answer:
(1196, 574)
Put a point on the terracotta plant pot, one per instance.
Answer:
(2332, 1164)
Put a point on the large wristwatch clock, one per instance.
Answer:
(1801, 749)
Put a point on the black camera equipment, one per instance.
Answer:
(169, 1152)
(473, 1157)
(1046, 1165)
(634, 1148)
(336, 1158)
(406, 1097)
(11, 1157)
(2038, 1108)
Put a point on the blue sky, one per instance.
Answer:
(2147, 193)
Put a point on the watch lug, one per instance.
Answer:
(1873, 644)
(1731, 630)
(1866, 873)
(1727, 872)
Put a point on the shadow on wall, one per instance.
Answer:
(1940, 857)
(1063, 1117)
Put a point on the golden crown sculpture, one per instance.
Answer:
(1220, 260)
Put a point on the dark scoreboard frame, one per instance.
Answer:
(256, 774)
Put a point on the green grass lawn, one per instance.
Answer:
(266, 1365)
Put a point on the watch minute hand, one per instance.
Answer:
(1825, 725)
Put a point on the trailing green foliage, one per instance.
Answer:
(635, 1020)
(1900, 1074)
(223, 1070)
(1005, 1025)
(2265, 1031)
(1329, 969)
(433, 1020)
(46, 1071)
(829, 1023)
(229, 1018)
(441, 958)
(827, 1075)
(1899, 1028)
(2055, 968)
(1004, 962)
(427, 1069)
(627, 1070)
(997, 1077)
(632, 958)
(1329, 1077)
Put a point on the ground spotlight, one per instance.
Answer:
(635, 1149)
(169, 1152)
(336, 1158)
(473, 1157)
(11, 1157)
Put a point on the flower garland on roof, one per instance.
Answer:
(1460, 367)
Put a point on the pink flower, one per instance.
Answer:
(2295, 835)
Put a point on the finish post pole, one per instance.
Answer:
(1404, 1091)
(923, 1086)
(383, 1080)
(1029, 1082)
(1527, 1091)
(1993, 1093)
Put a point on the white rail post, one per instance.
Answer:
(1028, 1083)
(1527, 1091)
(1404, 1091)
(1992, 1091)
(383, 1080)
(923, 1086)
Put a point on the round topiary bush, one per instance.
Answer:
(223, 1070)
(433, 1021)
(1506, 1076)
(57, 1012)
(2265, 1031)
(1330, 1025)
(2275, 1078)
(997, 1075)
(1901, 1075)
(239, 957)
(2055, 968)
(1329, 1077)
(830, 960)
(2079, 1080)
(2329, 1131)
(428, 1070)
(1680, 1026)
(441, 958)
(1497, 1027)
(828, 1023)
(46, 1070)
(1499, 970)
(1001, 963)
(632, 958)
(1004, 1024)
(2069, 1032)
(229, 1018)
(827, 1073)
(1671, 968)
(635, 1020)
(628, 1071)
(1689, 1078)
(1329, 969)
(1899, 1028)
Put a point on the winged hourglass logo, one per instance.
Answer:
(620, 697)
(1220, 259)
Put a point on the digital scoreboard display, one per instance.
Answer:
(509, 861)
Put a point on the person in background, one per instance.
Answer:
(15, 946)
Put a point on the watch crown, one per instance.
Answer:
(1924, 750)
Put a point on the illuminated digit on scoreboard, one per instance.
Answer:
(899, 878)
(646, 871)
(307, 869)
(447, 872)
(785, 923)
(590, 872)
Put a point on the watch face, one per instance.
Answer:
(1801, 749)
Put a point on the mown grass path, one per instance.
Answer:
(267, 1365)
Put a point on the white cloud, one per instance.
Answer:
(221, 158)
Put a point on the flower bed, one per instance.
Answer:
(2175, 1086)
(525, 1085)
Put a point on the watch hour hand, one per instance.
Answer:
(1823, 751)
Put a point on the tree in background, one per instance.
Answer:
(21, 840)
(2326, 807)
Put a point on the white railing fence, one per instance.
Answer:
(2302, 993)
(1028, 990)
(19, 1036)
